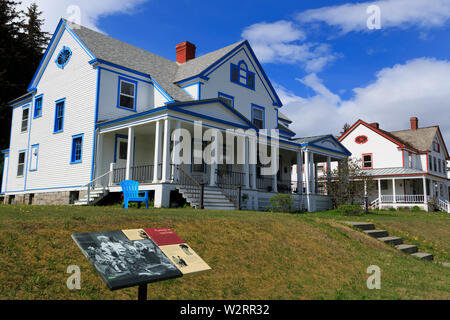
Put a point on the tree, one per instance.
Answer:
(345, 128)
(35, 38)
(350, 183)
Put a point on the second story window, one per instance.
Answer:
(436, 147)
(21, 164)
(59, 116)
(25, 116)
(37, 107)
(77, 148)
(367, 161)
(127, 94)
(258, 116)
(430, 163)
(435, 164)
(242, 76)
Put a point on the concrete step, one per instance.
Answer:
(376, 233)
(407, 248)
(219, 208)
(362, 225)
(391, 240)
(423, 256)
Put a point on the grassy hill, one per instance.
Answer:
(253, 255)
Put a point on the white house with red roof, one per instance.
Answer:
(409, 166)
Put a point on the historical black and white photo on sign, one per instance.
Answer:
(124, 263)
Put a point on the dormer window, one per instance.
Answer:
(436, 147)
(242, 76)
(127, 94)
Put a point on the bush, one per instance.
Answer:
(392, 209)
(282, 203)
(416, 209)
(350, 210)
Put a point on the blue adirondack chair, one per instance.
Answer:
(130, 189)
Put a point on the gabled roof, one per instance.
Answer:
(123, 54)
(421, 139)
(313, 142)
(396, 140)
(195, 66)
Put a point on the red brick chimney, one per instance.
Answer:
(414, 123)
(185, 51)
(376, 125)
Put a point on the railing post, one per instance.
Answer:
(202, 195)
(89, 193)
(239, 198)
(111, 174)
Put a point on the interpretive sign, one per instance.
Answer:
(135, 257)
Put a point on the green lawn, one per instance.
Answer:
(253, 255)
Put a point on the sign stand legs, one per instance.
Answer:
(142, 292)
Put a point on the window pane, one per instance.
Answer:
(258, 123)
(127, 88)
(25, 119)
(258, 114)
(127, 102)
(123, 146)
(234, 74)
(251, 81)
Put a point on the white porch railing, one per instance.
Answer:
(415, 198)
(375, 203)
(444, 205)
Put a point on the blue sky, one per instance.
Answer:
(327, 66)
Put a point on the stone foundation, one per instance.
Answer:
(45, 199)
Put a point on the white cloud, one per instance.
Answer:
(394, 13)
(283, 42)
(419, 87)
(90, 10)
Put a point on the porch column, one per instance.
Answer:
(176, 150)
(166, 152)
(307, 172)
(275, 162)
(130, 152)
(214, 160)
(253, 159)
(393, 190)
(157, 155)
(313, 175)
(300, 172)
(99, 156)
(328, 175)
(379, 191)
(425, 198)
(247, 165)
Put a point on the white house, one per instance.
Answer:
(409, 166)
(99, 111)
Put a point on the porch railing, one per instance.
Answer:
(142, 173)
(264, 183)
(189, 184)
(402, 198)
(231, 185)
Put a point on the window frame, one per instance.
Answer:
(263, 110)
(363, 161)
(242, 66)
(119, 93)
(73, 151)
(57, 102)
(226, 96)
(27, 107)
(23, 164)
(41, 99)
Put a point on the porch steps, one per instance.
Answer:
(213, 199)
(382, 235)
(95, 197)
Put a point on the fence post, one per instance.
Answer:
(202, 195)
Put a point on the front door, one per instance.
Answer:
(121, 152)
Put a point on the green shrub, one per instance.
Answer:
(416, 209)
(350, 210)
(392, 209)
(282, 203)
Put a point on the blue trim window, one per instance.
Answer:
(59, 116)
(63, 57)
(34, 157)
(77, 149)
(242, 76)
(37, 106)
(258, 116)
(21, 164)
(127, 94)
(25, 117)
(229, 99)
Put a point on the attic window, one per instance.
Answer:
(436, 147)
(63, 57)
(127, 94)
(242, 76)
